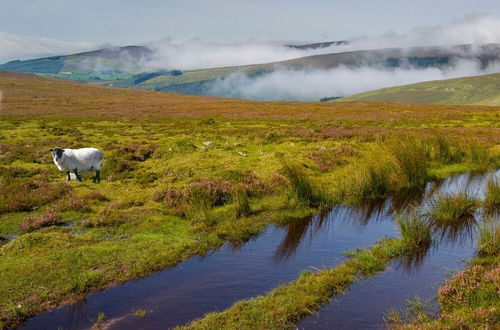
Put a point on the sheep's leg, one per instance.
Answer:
(68, 178)
(97, 177)
(78, 177)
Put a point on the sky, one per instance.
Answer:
(30, 28)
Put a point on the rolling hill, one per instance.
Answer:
(123, 67)
(478, 90)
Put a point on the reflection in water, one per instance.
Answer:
(295, 231)
(412, 263)
(369, 210)
(407, 199)
(460, 231)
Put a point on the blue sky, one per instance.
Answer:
(131, 21)
(75, 24)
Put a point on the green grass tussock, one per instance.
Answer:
(411, 160)
(304, 189)
(453, 207)
(242, 203)
(492, 199)
(488, 243)
(415, 231)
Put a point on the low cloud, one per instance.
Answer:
(198, 54)
(312, 85)
(21, 47)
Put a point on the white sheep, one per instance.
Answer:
(78, 161)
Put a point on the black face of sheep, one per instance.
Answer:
(57, 153)
(78, 161)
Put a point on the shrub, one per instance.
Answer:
(137, 152)
(95, 196)
(451, 207)
(210, 192)
(32, 224)
(73, 204)
(471, 287)
(25, 194)
(488, 243)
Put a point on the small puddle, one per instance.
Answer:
(199, 285)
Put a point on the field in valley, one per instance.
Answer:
(184, 174)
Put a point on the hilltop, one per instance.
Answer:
(480, 90)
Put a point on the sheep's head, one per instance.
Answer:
(57, 153)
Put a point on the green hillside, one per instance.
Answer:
(477, 90)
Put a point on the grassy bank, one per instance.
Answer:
(282, 307)
(184, 174)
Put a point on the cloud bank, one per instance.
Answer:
(14, 47)
(311, 85)
(198, 54)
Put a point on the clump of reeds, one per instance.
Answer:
(415, 231)
(242, 203)
(303, 188)
(446, 151)
(492, 200)
(452, 207)
(411, 159)
(488, 243)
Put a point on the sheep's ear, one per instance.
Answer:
(62, 150)
(51, 149)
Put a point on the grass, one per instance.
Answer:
(242, 203)
(283, 306)
(488, 243)
(415, 231)
(304, 189)
(492, 199)
(163, 198)
(453, 207)
(467, 90)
